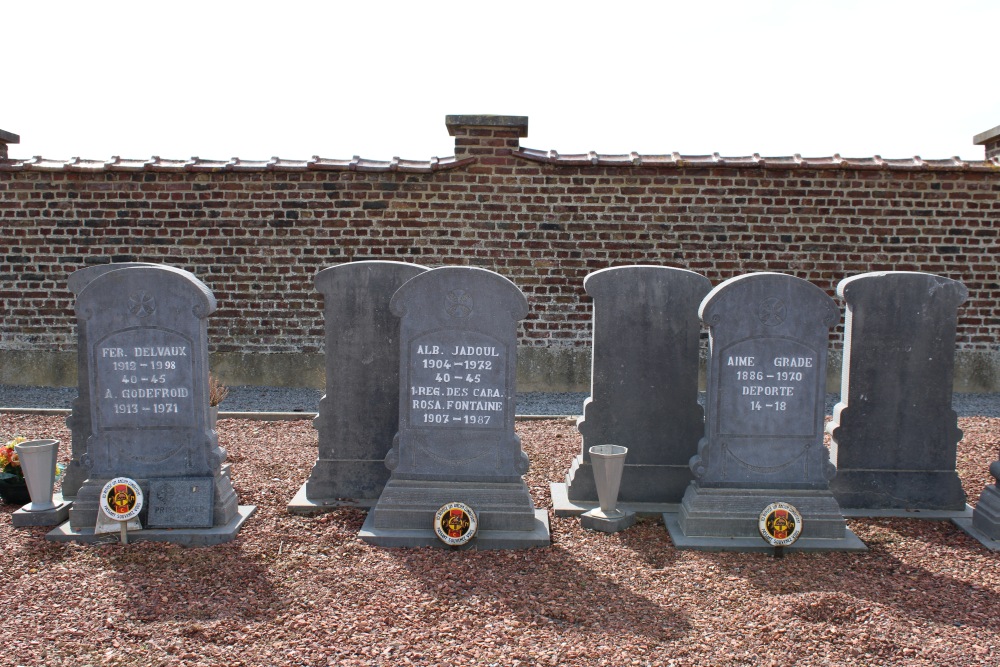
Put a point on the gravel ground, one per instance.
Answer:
(294, 590)
(282, 399)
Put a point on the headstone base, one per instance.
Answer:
(407, 504)
(83, 513)
(306, 506)
(640, 483)
(52, 517)
(485, 540)
(927, 515)
(985, 518)
(734, 514)
(850, 542)
(898, 489)
(357, 482)
(970, 529)
(563, 506)
(596, 519)
(188, 537)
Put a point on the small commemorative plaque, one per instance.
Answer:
(455, 524)
(121, 499)
(780, 524)
(181, 502)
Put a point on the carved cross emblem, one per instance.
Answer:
(771, 311)
(459, 303)
(141, 304)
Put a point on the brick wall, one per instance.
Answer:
(257, 233)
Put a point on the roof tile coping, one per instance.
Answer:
(9, 137)
(782, 162)
(198, 165)
(988, 136)
(590, 159)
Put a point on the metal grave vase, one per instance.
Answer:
(38, 463)
(608, 463)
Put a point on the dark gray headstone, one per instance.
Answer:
(644, 381)
(79, 420)
(764, 414)
(147, 361)
(456, 440)
(986, 516)
(894, 433)
(359, 414)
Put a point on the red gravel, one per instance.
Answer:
(296, 590)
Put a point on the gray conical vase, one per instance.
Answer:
(608, 462)
(38, 463)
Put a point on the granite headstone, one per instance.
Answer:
(985, 522)
(359, 414)
(79, 419)
(764, 415)
(894, 433)
(147, 362)
(644, 383)
(456, 440)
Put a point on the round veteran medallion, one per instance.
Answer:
(780, 524)
(455, 524)
(121, 499)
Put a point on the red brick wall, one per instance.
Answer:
(256, 234)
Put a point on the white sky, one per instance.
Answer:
(218, 79)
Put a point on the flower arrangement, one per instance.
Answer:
(10, 462)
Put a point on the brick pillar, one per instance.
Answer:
(990, 140)
(490, 138)
(9, 138)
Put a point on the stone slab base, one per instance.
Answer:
(898, 490)
(563, 506)
(358, 479)
(300, 504)
(986, 518)
(850, 542)
(484, 540)
(86, 505)
(929, 515)
(52, 517)
(188, 537)
(651, 484)
(984, 539)
(734, 513)
(499, 506)
(595, 520)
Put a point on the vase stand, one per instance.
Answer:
(50, 517)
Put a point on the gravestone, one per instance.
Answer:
(764, 417)
(985, 522)
(456, 440)
(145, 331)
(894, 433)
(359, 414)
(644, 386)
(79, 419)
